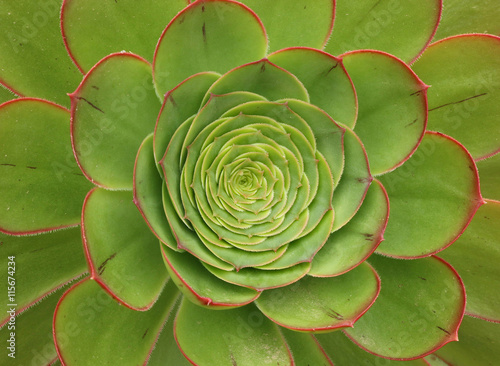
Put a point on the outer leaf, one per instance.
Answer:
(211, 35)
(394, 114)
(353, 243)
(479, 344)
(419, 309)
(385, 25)
(123, 255)
(343, 352)
(473, 16)
(32, 340)
(354, 183)
(318, 304)
(41, 187)
(437, 189)
(33, 61)
(200, 286)
(43, 263)
(464, 93)
(475, 255)
(312, 21)
(111, 115)
(241, 336)
(325, 78)
(489, 173)
(94, 29)
(6, 94)
(305, 349)
(98, 323)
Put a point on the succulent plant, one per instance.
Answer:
(250, 183)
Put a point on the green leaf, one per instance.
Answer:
(401, 28)
(93, 29)
(354, 183)
(305, 349)
(6, 94)
(179, 104)
(464, 72)
(262, 78)
(473, 16)
(319, 304)
(33, 342)
(434, 360)
(33, 61)
(200, 286)
(433, 197)
(312, 21)
(475, 255)
(479, 344)
(113, 110)
(260, 279)
(489, 174)
(166, 351)
(353, 243)
(394, 114)
(42, 264)
(207, 36)
(325, 78)
(123, 254)
(344, 352)
(419, 308)
(41, 186)
(240, 336)
(148, 186)
(87, 318)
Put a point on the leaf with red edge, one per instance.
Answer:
(325, 78)
(113, 110)
(93, 29)
(475, 255)
(33, 61)
(87, 318)
(306, 24)
(464, 72)
(42, 264)
(306, 350)
(392, 107)
(211, 35)
(433, 197)
(200, 286)
(353, 243)
(385, 25)
(41, 186)
(319, 304)
(229, 337)
(419, 309)
(122, 253)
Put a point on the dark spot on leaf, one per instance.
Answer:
(263, 67)
(31, 167)
(102, 267)
(363, 180)
(146, 332)
(333, 314)
(6, 164)
(422, 278)
(444, 330)
(203, 9)
(37, 250)
(368, 236)
(331, 68)
(95, 87)
(412, 123)
(91, 104)
(204, 31)
(172, 100)
(460, 101)
(233, 361)
(417, 92)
